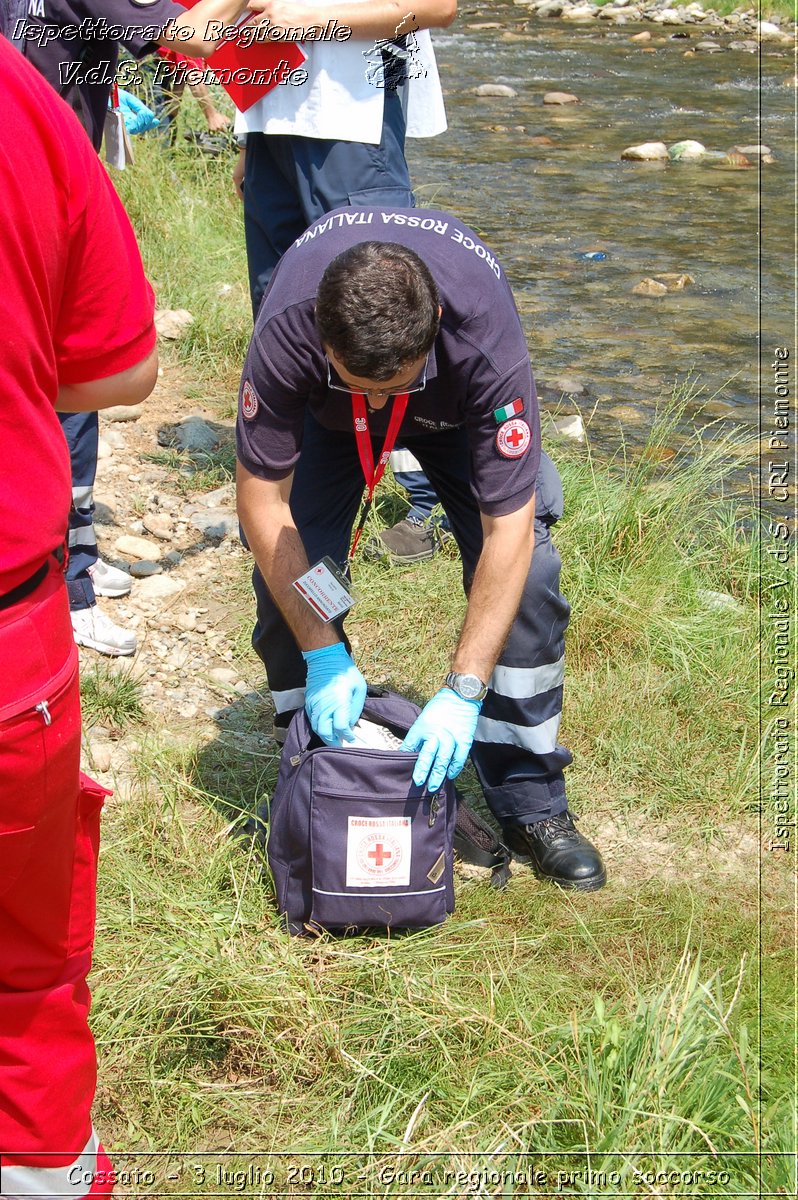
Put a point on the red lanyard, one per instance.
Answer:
(115, 95)
(372, 474)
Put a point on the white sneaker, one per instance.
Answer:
(108, 580)
(94, 629)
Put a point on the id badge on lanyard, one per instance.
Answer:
(324, 586)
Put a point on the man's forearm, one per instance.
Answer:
(277, 548)
(495, 592)
(204, 19)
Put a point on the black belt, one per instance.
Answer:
(9, 599)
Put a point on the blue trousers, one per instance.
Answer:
(515, 752)
(81, 431)
(290, 182)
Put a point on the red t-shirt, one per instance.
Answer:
(75, 305)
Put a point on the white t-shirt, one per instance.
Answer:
(342, 100)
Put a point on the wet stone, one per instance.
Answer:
(650, 287)
(645, 152)
(145, 568)
(192, 434)
(560, 98)
(137, 548)
(495, 90)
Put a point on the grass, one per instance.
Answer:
(111, 697)
(605, 1041)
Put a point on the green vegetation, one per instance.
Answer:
(536, 1030)
(110, 696)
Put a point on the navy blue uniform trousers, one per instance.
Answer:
(81, 431)
(516, 753)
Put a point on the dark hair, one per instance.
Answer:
(377, 309)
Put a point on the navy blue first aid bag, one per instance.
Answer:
(353, 842)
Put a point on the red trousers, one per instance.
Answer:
(49, 839)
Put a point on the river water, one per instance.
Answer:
(542, 206)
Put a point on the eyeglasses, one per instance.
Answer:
(404, 389)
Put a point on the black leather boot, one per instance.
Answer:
(557, 851)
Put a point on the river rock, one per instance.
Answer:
(752, 151)
(192, 434)
(745, 47)
(215, 522)
(719, 601)
(568, 427)
(223, 675)
(158, 525)
(123, 412)
(220, 497)
(645, 36)
(560, 98)
(649, 287)
(667, 16)
(697, 11)
(145, 568)
(159, 587)
(495, 89)
(100, 756)
(646, 152)
(137, 548)
(541, 139)
(766, 31)
(553, 8)
(685, 151)
(567, 385)
(708, 47)
(674, 281)
(172, 323)
(580, 12)
(104, 450)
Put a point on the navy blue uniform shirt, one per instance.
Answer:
(478, 373)
(75, 44)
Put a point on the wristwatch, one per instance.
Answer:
(470, 687)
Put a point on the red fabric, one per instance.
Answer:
(74, 303)
(181, 60)
(49, 839)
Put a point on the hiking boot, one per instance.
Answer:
(557, 851)
(408, 541)
(92, 628)
(109, 581)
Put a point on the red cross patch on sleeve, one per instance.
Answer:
(249, 401)
(513, 439)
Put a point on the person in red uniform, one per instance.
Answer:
(77, 318)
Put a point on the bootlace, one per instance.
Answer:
(559, 826)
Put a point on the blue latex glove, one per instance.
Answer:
(138, 118)
(443, 733)
(335, 693)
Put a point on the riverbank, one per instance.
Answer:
(598, 1041)
(776, 27)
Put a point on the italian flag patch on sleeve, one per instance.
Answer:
(509, 410)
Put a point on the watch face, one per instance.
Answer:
(468, 686)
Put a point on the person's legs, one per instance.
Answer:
(289, 182)
(91, 627)
(49, 820)
(516, 753)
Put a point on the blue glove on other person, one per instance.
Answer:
(443, 733)
(138, 118)
(335, 693)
